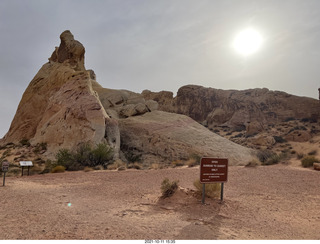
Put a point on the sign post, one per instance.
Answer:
(25, 164)
(213, 170)
(5, 168)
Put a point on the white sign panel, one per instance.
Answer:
(26, 163)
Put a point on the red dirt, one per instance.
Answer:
(271, 202)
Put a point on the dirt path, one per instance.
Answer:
(274, 202)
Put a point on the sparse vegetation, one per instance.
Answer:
(313, 152)
(267, 157)
(88, 169)
(211, 190)
(279, 139)
(168, 188)
(84, 156)
(177, 163)
(40, 147)
(118, 164)
(308, 161)
(253, 163)
(25, 142)
(300, 155)
(58, 169)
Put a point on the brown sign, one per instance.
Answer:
(213, 170)
(5, 166)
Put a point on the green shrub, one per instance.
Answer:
(58, 169)
(308, 161)
(65, 158)
(211, 190)
(100, 155)
(168, 188)
(82, 154)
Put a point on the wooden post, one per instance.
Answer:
(221, 196)
(22, 171)
(203, 192)
(4, 178)
(28, 170)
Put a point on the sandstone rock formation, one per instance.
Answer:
(64, 106)
(170, 136)
(236, 109)
(59, 106)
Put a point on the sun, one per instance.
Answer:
(247, 42)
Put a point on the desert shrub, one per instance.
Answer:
(279, 139)
(82, 154)
(40, 147)
(25, 142)
(88, 169)
(308, 161)
(58, 169)
(116, 165)
(297, 128)
(252, 163)
(168, 188)
(196, 157)
(177, 163)
(191, 162)
(211, 190)
(238, 135)
(155, 166)
(100, 155)
(66, 158)
(300, 155)
(274, 159)
(289, 119)
(314, 152)
(264, 155)
(99, 167)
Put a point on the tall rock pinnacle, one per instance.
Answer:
(70, 51)
(59, 106)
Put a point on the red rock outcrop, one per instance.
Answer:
(236, 109)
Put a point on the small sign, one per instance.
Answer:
(26, 163)
(213, 170)
(5, 166)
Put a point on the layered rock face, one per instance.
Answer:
(65, 106)
(249, 109)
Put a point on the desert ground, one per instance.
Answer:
(265, 202)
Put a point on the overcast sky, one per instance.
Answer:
(163, 44)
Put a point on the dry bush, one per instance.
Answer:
(88, 169)
(58, 169)
(308, 161)
(191, 162)
(98, 167)
(155, 166)
(314, 152)
(118, 164)
(168, 188)
(211, 190)
(177, 163)
(252, 163)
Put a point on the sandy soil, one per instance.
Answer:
(271, 202)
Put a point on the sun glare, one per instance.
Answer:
(247, 42)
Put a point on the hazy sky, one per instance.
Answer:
(163, 44)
